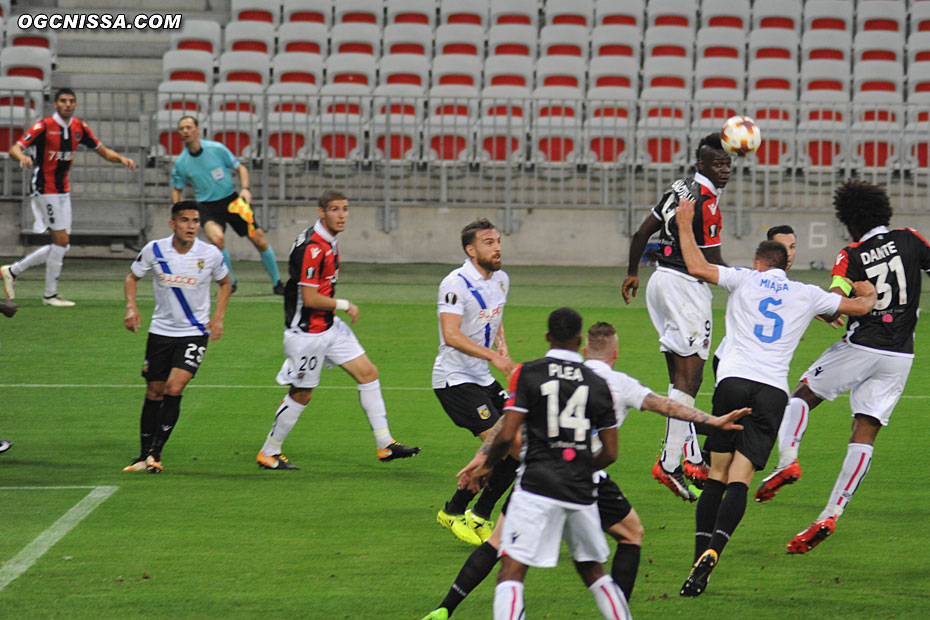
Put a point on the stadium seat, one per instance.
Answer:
(26, 61)
(356, 38)
(665, 110)
(823, 119)
(303, 37)
(297, 68)
(678, 13)
(169, 143)
(20, 105)
(245, 67)
(881, 15)
(289, 136)
(501, 136)
(558, 145)
(408, 38)
(878, 45)
(238, 131)
(246, 97)
(918, 48)
(351, 69)
(360, 12)
(878, 107)
(826, 45)
(457, 70)
(917, 130)
(616, 40)
(420, 12)
(775, 43)
(34, 37)
(341, 135)
(192, 97)
(719, 42)
(611, 77)
(520, 12)
(187, 65)
(198, 34)
(610, 110)
(668, 42)
(398, 107)
(2, 28)
(249, 36)
(404, 70)
(726, 14)
(919, 13)
(570, 13)
(464, 12)
(562, 40)
(308, 12)
(256, 10)
(508, 71)
(620, 13)
(560, 83)
(460, 39)
(772, 100)
(777, 14)
(512, 39)
(718, 91)
(449, 128)
(828, 15)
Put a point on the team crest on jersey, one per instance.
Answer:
(502, 286)
(145, 366)
(483, 412)
(200, 264)
(300, 375)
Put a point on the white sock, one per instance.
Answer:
(53, 263)
(508, 601)
(369, 394)
(677, 434)
(791, 431)
(610, 599)
(284, 420)
(855, 467)
(37, 257)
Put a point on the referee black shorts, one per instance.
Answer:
(162, 353)
(218, 211)
(472, 406)
(760, 429)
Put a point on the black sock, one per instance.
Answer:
(624, 567)
(147, 425)
(170, 411)
(730, 514)
(706, 515)
(459, 502)
(498, 482)
(476, 568)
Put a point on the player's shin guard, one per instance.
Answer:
(148, 424)
(705, 517)
(476, 568)
(508, 601)
(624, 567)
(271, 265)
(167, 419)
(284, 420)
(677, 434)
(791, 431)
(609, 598)
(459, 502)
(53, 264)
(33, 259)
(732, 509)
(498, 482)
(369, 394)
(855, 467)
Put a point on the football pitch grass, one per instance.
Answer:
(214, 536)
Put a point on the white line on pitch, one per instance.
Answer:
(90, 486)
(47, 539)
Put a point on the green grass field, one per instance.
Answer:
(349, 537)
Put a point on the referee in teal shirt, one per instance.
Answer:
(208, 166)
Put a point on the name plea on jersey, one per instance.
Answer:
(571, 373)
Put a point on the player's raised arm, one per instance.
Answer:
(132, 321)
(862, 303)
(694, 258)
(673, 409)
(649, 227)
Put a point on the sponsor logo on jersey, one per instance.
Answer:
(451, 298)
(59, 155)
(178, 280)
(489, 314)
(483, 412)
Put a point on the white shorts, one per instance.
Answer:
(535, 526)
(874, 381)
(51, 212)
(680, 309)
(306, 353)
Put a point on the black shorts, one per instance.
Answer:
(760, 429)
(218, 211)
(612, 505)
(473, 406)
(162, 353)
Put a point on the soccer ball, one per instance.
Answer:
(740, 135)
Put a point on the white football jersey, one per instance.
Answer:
(766, 316)
(181, 283)
(628, 393)
(480, 302)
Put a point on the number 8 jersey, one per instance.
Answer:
(563, 401)
(892, 261)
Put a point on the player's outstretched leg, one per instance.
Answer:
(476, 568)
(285, 417)
(696, 582)
(9, 281)
(676, 482)
(816, 533)
(780, 476)
(5, 444)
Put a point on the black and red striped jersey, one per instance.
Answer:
(313, 261)
(55, 142)
(562, 401)
(707, 219)
(892, 260)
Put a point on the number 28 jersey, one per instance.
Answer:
(892, 260)
(563, 401)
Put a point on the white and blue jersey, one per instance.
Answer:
(480, 303)
(210, 171)
(181, 283)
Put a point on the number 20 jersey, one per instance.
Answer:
(892, 261)
(562, 401)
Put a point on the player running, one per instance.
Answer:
(314, 336)
(871, 362)
(183, 268)
(680, 305)
(766, 316)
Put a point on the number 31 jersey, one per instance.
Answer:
(563, 401)
(892, 261)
